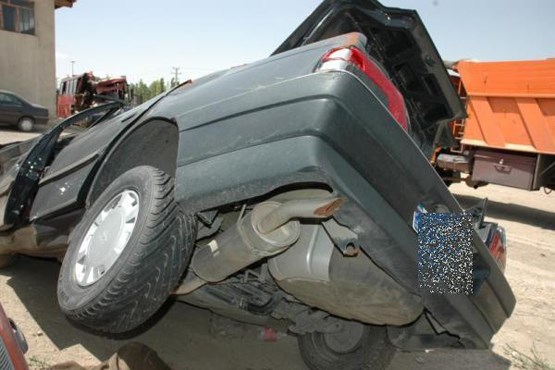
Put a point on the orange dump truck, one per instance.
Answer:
(508, 137)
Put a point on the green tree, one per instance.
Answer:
(156, 87)
(174, 82)
(141, 92)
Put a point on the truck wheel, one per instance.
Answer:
(26, 124)
(355, 347)
(127, 254)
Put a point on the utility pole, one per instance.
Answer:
(176, 73)
(72, 63)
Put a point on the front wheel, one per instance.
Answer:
(127, 254)
(354, 347)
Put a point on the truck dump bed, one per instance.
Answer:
(510, 105)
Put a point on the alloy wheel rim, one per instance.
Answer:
(107, 237)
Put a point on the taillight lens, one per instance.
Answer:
(337, 58)
(497, 247)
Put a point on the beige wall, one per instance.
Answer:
(27, 62)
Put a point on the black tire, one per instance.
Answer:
(150, 264)
(370, 349)
(26, 124)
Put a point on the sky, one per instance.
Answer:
(145, 39)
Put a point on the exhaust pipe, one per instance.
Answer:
(270, 228)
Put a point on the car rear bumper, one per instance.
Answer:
(329, 128)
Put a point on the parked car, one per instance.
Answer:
(18, 112)
(12, 345)
(285, 189)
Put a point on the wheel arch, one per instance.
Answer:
(153, 142)
(23, 116)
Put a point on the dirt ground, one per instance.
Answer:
(10, 135)
(190, 338)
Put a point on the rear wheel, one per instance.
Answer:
(354, 347)
(127, 254)
(26, 124)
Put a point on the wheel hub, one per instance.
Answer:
(107, 237)
(347, 339)
(26, 125)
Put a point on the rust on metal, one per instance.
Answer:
(351, 251)
(330, 208)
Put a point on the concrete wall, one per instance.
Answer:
(27, 62)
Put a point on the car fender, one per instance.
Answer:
(65, 184)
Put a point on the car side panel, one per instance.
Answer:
(66, 183)
(61, 187)
(62, 194)
(9, 114)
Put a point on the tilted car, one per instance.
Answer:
(283, 189)
(18, 112)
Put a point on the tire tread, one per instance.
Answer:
(375, 353)
(151, 271)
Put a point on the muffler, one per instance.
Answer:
(270, 228)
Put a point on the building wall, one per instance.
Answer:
(27, 62)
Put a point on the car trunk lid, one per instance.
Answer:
(398, 40)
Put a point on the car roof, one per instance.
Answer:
(13, 94)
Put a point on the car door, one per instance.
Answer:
(10, 109)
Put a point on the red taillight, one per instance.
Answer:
(498, 249)
(352, 55)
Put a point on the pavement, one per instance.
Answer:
(11, 135)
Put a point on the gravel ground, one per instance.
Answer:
(186, 337)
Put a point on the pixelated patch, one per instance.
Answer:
(417, 216)
(445, 253)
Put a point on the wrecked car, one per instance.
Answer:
(285, 189)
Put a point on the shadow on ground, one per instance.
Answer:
(512, 212)
(183, 336)
(34, 282)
